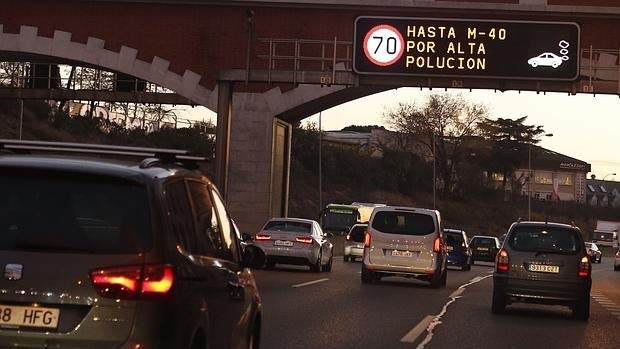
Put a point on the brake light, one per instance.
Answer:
(437, 245)
(304, 239)
(367, 239)
(348, 237)
(584, 267)
(263, 237)
(134, 281)
(502, 261)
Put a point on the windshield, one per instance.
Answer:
(339, 219)
(57, 212)
(357, 233)
(454, 239)
(545, 239)
(404, 223)
(288, 227)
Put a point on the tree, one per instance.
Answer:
(510, 141)
(441, 125)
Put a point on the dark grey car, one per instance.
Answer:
(108, 254)
(544, 263)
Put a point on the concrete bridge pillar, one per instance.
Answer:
(258, 163)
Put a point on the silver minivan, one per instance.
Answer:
(405, 241)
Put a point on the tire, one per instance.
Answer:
(438, 281)
(368, 276)
(444, 278)
(346, 258)
(316, 267)
(498, 304)
(581, 310)
(328, 267)
(270, 265)
(616, 267)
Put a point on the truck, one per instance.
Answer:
(606, 233)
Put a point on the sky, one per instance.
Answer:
(584, 126)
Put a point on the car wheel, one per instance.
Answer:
(444, 278)
(534, 64)
(270, 265)
(346, 258)
(581, 310)
(600, 259)
(316, 267)
(328, 266)
(555, 65)
(498, 305)
(368, 276)
(437, 280)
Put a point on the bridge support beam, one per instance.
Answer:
(222, 139)
(258, 167)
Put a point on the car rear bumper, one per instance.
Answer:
(353, 250)
(561, 292)
(486, 257)
(284, 255)
(458, 259)
(400, 270)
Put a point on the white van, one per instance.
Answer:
(405, 241)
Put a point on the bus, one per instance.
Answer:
(337, 219)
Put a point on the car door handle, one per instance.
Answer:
(236, 291)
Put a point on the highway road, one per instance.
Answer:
(334, 310)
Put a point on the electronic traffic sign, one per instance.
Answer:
(482, 48)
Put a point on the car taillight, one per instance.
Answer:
(584, 267)
(348, 237)
(367, 239)
(263, 237)
(502, 261)
(134, 281)
(304, 239)
(437, 245)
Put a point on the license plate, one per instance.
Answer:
(483, 248)
(450, 248)
(544, 268)
(397, 253)
(12, 315)
(283, 243)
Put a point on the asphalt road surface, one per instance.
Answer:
(302, 309)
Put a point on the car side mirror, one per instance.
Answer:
(253, 257)
(247, 237)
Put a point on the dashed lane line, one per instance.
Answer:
(415, 332)
(310, 283)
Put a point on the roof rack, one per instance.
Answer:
(153, 155)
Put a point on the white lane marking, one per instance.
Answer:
(417, 330)
(309, 283)
(437, 319)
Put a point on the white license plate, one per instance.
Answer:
(12, 315)
(397, 253)
(283, 243)
(482, 248)
(450, 248)
(544, 268)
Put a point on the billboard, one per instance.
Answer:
(446, 47)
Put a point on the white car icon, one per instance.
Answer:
(546, 59)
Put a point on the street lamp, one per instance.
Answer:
(529, 179)
(609, 174)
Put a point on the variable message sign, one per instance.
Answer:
(466, 48)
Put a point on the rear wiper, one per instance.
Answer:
(545, 250)
(31, 246)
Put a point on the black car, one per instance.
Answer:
(543, 263)
(119, 254)
(484, 248)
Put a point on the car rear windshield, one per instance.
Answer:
(357, 233)
(454, 239)
(545, 239)
(483, 242)
(288, 227)
(403, 223)
(67, 213)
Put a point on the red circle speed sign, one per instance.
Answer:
(383, 45)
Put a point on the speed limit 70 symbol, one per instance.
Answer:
(383, 45)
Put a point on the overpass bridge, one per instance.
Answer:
(263, 65)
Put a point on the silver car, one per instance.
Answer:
(295, 241)
(405, 241)
(354, 242)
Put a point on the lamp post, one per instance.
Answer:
(529, 179)
(609, 174)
